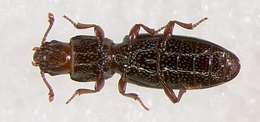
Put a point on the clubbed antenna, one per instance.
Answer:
(51, 21)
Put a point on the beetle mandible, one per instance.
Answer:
(155, 60)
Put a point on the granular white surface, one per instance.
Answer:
(233, 24)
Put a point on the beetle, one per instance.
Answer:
(153, 59)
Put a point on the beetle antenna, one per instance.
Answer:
(51, 21)
(51, 94)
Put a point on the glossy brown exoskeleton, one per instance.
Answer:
(154, 60)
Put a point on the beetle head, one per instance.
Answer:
(53, 57)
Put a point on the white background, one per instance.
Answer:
(233, 24)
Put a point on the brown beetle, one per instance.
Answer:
(154, 60)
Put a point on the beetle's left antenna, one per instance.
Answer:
(51, 21)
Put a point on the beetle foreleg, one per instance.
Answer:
(122, 89)
(98, 86)
(98, 30)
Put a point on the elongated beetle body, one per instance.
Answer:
(154, 60)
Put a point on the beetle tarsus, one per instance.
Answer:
(181, 92)
(98, 30)
(169, 27)
(98, 86)
(79, 92)
(122, 89)
(200, 21)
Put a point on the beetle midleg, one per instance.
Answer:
(122, 89)
(51, 21)
(51, 94)
(134, 32)
(170, 93)
(98, 86)
(169, 27)
(98, 30)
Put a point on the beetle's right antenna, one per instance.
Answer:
(51, 94)
(51, 21)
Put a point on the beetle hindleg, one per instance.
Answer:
(171, 95)
(98, 30)
(169, 27)
(98, 86)
(122, 89)
(134, 32)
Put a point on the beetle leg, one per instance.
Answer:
(169, 27)
(51, 21)
(171, 95)
(51, 94)
(122, 89)
(98, 86)
(134, 32)
(98, 30)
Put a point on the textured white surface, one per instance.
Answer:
(234, 24)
